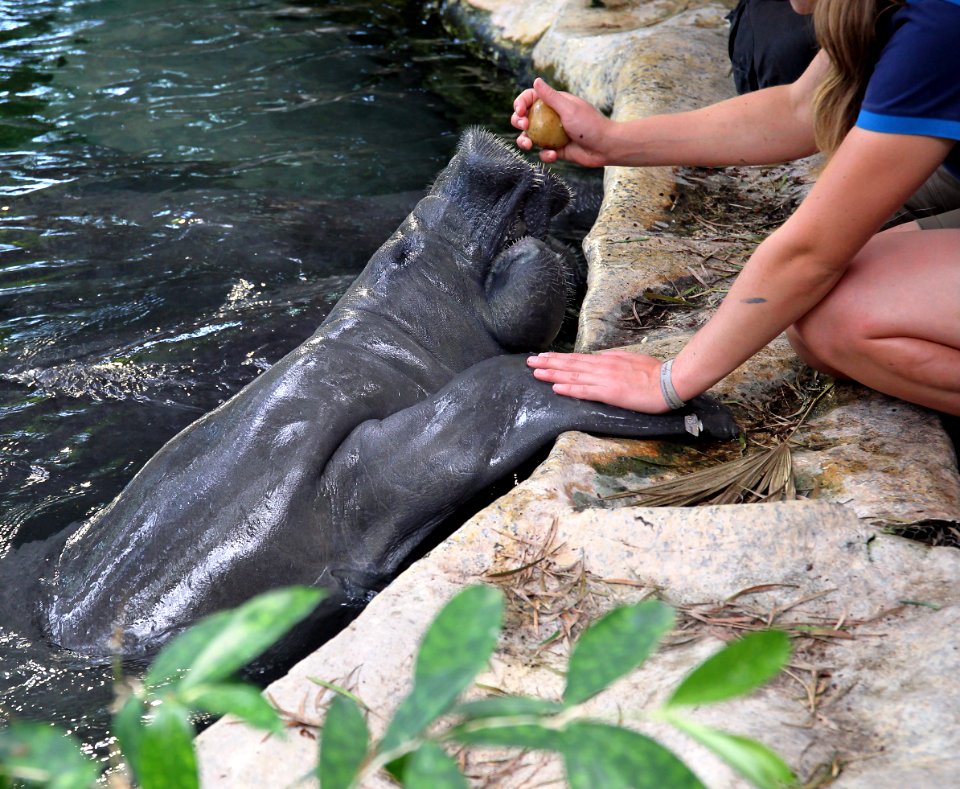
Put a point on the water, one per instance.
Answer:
(186, 188)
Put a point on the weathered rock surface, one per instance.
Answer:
(872, 692)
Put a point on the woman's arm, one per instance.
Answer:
(771, 125)
(867, 179)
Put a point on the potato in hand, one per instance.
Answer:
(545, 129)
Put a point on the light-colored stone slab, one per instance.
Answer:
(521, 23)
(831, 570)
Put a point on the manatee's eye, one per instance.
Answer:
(408, 248)
(401, 249)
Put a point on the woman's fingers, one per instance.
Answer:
(587, 378)
(620, 378)
(581, 120)
(524, 102)
(564, 361)
(591, 361)
(582, 392)
(521, 106)
(584, 385)
(554, 98)
(576, 375)
(520, 120)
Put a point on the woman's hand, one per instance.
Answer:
(583, 123)
(620, 378)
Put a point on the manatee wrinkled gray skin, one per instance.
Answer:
(334, 464)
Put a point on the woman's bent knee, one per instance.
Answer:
(808, 355)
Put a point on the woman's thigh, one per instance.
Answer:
(902, 284)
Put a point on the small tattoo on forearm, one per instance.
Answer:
(754, 300)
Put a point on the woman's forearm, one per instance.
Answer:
(757, 128)
(780, 284)
(765, 127)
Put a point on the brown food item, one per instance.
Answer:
(545, 128)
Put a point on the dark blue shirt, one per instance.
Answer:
(915, 86)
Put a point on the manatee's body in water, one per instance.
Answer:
(331, 467)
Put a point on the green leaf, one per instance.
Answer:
(613, 646)
(753, 760)
(736, 669)
(597, 755)
(431, 768)
(506, 707)
(128, 727)
(225, 642)
(39, 754)
(529, 736)
(343, 744)
(234, 698)
(166, 759)
(398, 767)
(455, 647)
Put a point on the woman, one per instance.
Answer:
(882, 100)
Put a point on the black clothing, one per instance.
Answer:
(769, 43)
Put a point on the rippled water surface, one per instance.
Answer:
(185, 189)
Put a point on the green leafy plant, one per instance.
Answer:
(460, 642)
(40, 755)
(194, 673)
(154, 725)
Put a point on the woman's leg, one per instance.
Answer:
(893, 321)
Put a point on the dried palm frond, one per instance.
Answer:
(763, 476)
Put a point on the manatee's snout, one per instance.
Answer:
(503, 197)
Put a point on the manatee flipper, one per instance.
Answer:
(526, 291)
(435, 455)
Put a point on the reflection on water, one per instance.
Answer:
(185, 190)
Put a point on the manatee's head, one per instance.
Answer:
(470, 274)
(496, 207)
(493, 197)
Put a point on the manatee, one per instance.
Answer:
(334, 464)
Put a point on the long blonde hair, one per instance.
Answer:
(847, 31)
